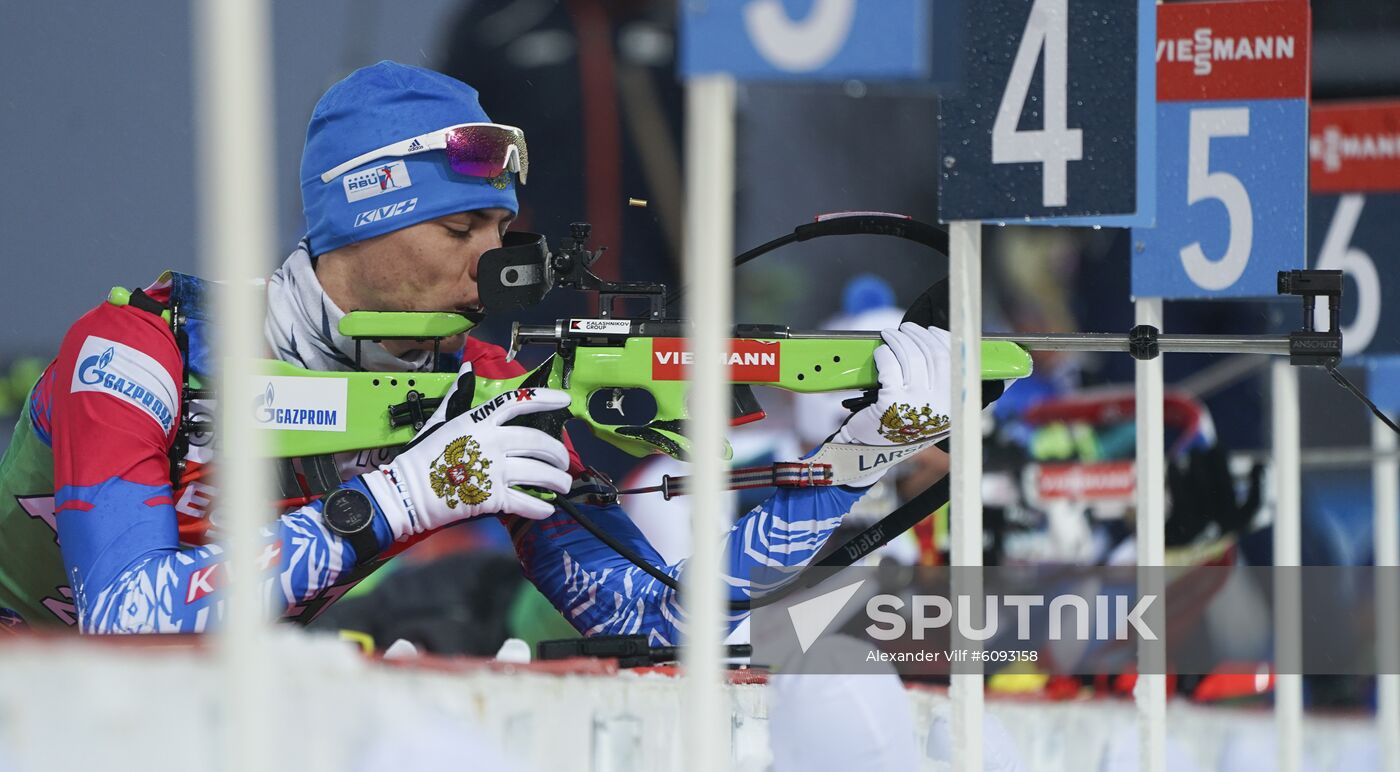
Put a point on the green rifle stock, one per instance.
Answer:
(386, 409)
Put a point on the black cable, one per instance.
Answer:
(757, 251)
(617, 546)
(762, 249)
(1349, 386)
(848, 224)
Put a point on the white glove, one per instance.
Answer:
(467, 466)
(912, 404)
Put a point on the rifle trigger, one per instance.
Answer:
(615, 401)
(566, 355)
(866, 399)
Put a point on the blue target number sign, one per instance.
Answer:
(1354, 217)
(1047, 121)
(806, 39)
(1232, 116)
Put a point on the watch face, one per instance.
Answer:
(347, 511)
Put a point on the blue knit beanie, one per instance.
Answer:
(377, 106)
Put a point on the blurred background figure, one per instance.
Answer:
(424, 740)
(1256, 751)
(820, 722)
(1123, 755)
(999, 751)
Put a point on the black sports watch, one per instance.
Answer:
(349, 514)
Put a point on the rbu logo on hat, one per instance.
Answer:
(385, 212)
(372, 182)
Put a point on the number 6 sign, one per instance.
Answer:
(1232, 94)
(1354, 217)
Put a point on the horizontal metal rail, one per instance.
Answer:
(1167, 343)
(1323, 458)
(1276, 345)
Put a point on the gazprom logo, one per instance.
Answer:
(266, 411)
(262, 406)
(93, 369)
(111, 367)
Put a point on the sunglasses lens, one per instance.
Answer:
(483, 151)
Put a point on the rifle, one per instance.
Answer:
(626, 373)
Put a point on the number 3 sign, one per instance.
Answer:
(815, 40)
(1232, 94)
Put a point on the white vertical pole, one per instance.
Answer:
(234, 122)
(709, 252)
(1385, 486)
(965, 317)
(1151, 691)
(1288, 554)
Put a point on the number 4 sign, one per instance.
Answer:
(1046, 125)
(1053, 145)
(1232, 94)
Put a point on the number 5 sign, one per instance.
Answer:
(1232, 94)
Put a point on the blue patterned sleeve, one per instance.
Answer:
(129, 574)
(602, 593)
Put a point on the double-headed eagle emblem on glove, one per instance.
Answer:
(459, 474)
(903, 423)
